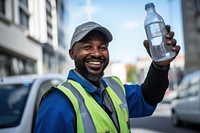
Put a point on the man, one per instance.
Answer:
(87, 101)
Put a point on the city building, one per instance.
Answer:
(117, 69)
(175, 74)
(191, 30)
(32, 36)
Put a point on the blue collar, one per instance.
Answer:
(74, 75)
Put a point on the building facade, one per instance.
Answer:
(175, 73)
(191, 29)
(32, 36)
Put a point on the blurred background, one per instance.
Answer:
(35, 35)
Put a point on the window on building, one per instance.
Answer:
(197, 7)
(23, 18)
(25, 2)
(2, 7)
(24, 13)
(49, 22)
(61, 10)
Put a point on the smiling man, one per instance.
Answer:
(91, 55)
(88, 102)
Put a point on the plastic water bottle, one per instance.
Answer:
(156, 31)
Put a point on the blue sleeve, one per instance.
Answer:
(136, 103)
(55, 115)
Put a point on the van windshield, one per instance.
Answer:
(12, 102)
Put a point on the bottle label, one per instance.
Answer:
(155, 29)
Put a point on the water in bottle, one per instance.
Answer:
(156, 31)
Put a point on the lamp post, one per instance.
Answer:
(89, 10)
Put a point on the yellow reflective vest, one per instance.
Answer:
(90, 116)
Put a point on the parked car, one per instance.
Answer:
(186, 106)
(19, 100)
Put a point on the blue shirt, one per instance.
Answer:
(56, 113)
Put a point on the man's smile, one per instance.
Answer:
(93, 65)
(94, 62)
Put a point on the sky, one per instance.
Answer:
(125, 20)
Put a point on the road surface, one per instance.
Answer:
(160, 122)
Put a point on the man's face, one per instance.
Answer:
(91, 56)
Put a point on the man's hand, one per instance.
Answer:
(169, 41)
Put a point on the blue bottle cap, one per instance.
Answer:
(149, 5)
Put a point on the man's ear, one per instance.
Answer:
(71, 53)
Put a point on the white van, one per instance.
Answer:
(19, 100)
(186, 106)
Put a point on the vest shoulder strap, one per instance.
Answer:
(116, 84)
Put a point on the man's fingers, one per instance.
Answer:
(170, 35)
(176, 49)
(172, 42)
(168, 28)
(146, 45)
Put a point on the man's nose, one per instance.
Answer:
(96, 52)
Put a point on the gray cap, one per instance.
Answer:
(82, 30)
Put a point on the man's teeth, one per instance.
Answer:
(95, 62)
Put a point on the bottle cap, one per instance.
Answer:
(149, 5)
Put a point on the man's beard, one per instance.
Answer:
(93, 77)
(88, 75)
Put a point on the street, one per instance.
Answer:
(160, 122)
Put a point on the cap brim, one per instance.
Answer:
(103, 30)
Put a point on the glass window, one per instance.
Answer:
(25, 2)
(24, 18)
(193, 89)
(2, 7)
(182, 89)
(198, 7)
(12, 102)
(24, 13)
(182, 93)
(62, 12)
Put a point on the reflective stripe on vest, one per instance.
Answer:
(90, 117)
(119, 92)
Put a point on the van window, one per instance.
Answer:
(193, 88)
(12, 102)
(182, 90)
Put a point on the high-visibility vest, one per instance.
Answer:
(90, 116)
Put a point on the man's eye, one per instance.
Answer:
(104, 48)
(86, 47)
